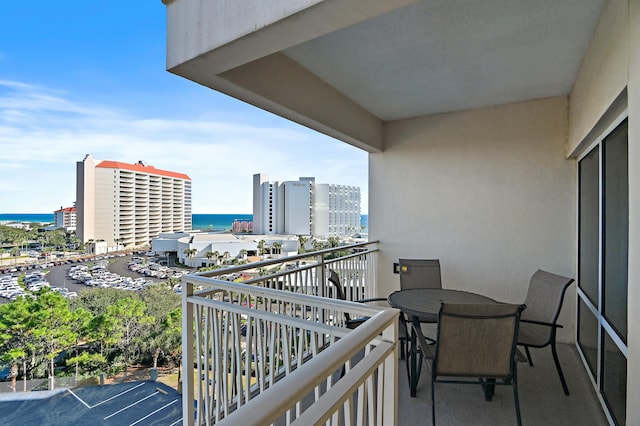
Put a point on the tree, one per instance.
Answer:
(318, 245)
(97, 300)
(225, 256)
(277, 247)
(209, 255)
(80, 326)
(87, 362)
(302, 240)
(243, 253)
(130, 318)
(16, 336)
(52, 325)
(159, 300)
(15, 252)
(172, 337)
(104, 330)
(261, 249)
(190, 252)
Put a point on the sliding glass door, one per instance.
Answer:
(603, 245)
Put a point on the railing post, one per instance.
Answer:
(390, 397)
(187, 356)
(323, 276)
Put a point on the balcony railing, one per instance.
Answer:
(275, 343)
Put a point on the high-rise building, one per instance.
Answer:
(304, 207)
(65, 218)
(129, 204)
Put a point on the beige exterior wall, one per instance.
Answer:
(105, 211)
(486, 191)
(603, 73)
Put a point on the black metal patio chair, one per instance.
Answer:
(539, 322)
(476, 344)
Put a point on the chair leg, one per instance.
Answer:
(526, 349)
(488, 387)
(516, 401)
(433, 401)
(557, 361)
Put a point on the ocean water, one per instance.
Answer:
(217, 222)
(208, 222)
(26, 217)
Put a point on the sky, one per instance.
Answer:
(88, 77)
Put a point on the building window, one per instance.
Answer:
(603, 253)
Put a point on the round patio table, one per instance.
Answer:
(423, 305)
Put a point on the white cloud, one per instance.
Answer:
(43, 133)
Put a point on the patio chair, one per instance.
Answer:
(416, 273)
(539, 322)
(419, 273)
(474, 341)
(351, 323)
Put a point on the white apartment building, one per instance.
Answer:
(303, 207)
(65, 218)
(127, 205)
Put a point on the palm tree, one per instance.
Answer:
(15, 252)
(243, 253)
(225, 256)
(277, 248)
(261, 249)
(119, 242)
(190, 252)
(302, 240)
(209, 255)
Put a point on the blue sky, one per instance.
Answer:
(88, 76)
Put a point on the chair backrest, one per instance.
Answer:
(477, 340)
(419, 273)
(334, 279)
(545, 296)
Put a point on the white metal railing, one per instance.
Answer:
(247, 338)
(366, 394)
(306, 273)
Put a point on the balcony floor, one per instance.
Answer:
(542, 401)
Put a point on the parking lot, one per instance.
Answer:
(57, 275)
(133, 403)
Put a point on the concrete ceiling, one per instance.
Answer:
(445, 55)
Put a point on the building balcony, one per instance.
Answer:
(291, 327)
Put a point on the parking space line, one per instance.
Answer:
(106, 400)
(79, 399)
(120, 394)
(131, 405)
(152, 413)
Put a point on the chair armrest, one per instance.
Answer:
(375, 299)
(548, 324)
(425, 348)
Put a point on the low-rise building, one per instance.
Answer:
(65, 218)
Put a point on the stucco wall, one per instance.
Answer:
(603, 73)
(486, 191)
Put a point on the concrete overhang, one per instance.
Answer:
(346, 67)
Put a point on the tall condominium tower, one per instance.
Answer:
(129, 204)
(303, 207)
